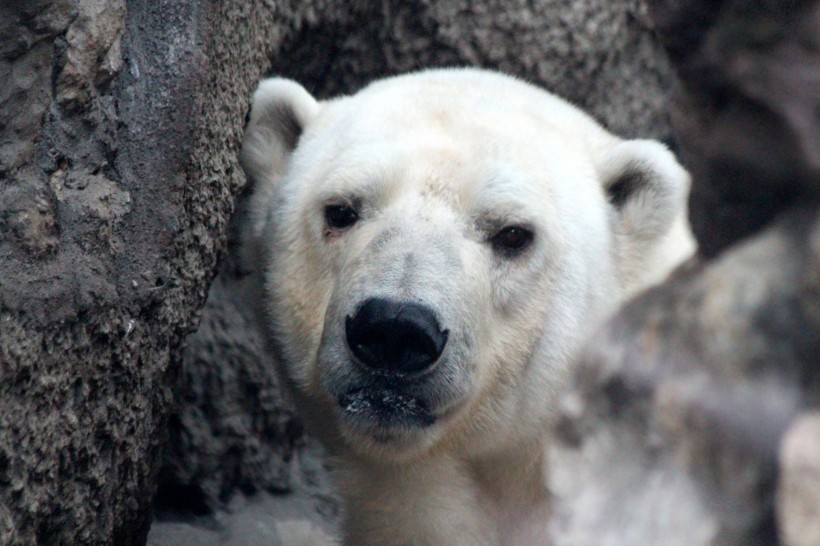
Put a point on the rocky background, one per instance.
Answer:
(694, 419)
(119, 127)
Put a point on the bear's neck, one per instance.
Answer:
(492, 501)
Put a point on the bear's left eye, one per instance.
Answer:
(511, 240)
(340, 216)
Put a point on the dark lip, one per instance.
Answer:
(381, 409)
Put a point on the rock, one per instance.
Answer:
(603, 56)
(92, 54)
(749, 112)
(233, 428)
(119, 130)
(670, 431)
(798, 505)
(264, 519)
(303, 515)
(27, 32)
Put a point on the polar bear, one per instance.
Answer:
(432, 251)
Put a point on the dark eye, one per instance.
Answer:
(511, 240)
(340, 216)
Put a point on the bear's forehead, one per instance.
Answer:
(472, 119)
(445, 98)
(479, 145)
(440, 134)
(457, 115)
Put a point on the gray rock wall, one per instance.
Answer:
(119, 126)
(693, 418)
(601, 55)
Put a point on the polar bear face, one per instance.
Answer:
(433, 250)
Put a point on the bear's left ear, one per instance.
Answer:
(646, 185)
(280, 111)
(648, 191)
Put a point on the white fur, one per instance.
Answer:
(435, 162)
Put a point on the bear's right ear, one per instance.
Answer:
(648, 190)
(280, 111)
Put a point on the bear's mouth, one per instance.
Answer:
(385, 410)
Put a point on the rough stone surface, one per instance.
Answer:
(670, 432)
(232, 428)
(119, 126)
(600, 55)
(798, 507)
(750, 111)
(233, 431)
(263, 519)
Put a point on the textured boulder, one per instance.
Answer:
(603, 56)
(119, 127)
(672, 434)
(677, 422)
(748, 120)
(798, 502)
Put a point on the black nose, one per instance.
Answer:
(395, 336)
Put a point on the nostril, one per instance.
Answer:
(395, 336)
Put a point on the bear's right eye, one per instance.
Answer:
(512, 240)
(340, 216)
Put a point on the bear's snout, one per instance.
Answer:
(395, 337)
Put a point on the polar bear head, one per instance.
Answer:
(433, 249)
